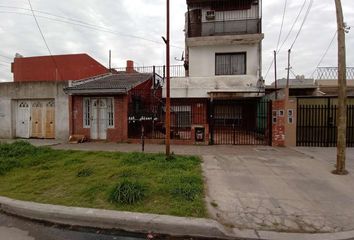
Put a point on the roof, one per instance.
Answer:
(108, 83)
(56, 68)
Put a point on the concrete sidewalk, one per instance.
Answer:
(280, 190)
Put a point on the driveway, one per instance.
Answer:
(280, 189)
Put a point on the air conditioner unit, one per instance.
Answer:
(210, 15)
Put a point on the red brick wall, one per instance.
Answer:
(117, 134)
(77, 115)
(278, 128)
(120, 131)
(70, 67)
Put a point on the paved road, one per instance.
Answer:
(12, 228)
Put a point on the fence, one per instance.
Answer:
(149, 115)
(241, 122)
(175, 70)
(317, 125)
(230, 27)
(331, 73)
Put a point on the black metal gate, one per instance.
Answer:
(317, 123)
(245, 122)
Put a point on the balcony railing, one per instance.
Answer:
(331, 73)
(230, 27)
(175, 70)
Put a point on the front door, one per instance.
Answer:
(23, 119)
(99, 119)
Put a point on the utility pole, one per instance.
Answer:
(275, 75)
(168, 97)
(342, 94)
(287, 91)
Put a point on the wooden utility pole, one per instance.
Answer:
(168, 97)
(342, 93)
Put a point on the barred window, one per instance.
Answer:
(110, 112)
(230, 64)
(87, 113)
(181, 116)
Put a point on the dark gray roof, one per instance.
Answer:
(109, 83)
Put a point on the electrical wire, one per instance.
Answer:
(282, 23)
(45, 41)
(80, 23)
(325, 53)
(5, 56)
(287, 36)
(302, 24)
(292, 27)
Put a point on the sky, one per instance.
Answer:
(132, 29)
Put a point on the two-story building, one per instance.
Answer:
(220, 96)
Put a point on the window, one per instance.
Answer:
(110, 112)
(230, 64)
(87, 113)
(181, 116)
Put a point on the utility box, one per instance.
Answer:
(199, 134)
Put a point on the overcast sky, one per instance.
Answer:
(125, 22)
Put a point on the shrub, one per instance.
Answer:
(17, 149)
(127, 192)
(85, 172)
(187, 187)
(7, 165)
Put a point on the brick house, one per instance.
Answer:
(100, 107)
(34, 104)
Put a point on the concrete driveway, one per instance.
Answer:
(280, 189)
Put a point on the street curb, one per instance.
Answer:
(109, 220)
(144, 223)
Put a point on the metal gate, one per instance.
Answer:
(317, 123)
(245, 122)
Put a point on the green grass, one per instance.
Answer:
(94, 179)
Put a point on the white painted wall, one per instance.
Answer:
(11, 92)
(202, 60)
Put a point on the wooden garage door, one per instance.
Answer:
(36, 118)
(50, 119)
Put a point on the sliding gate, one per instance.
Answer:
(245, 122)
(317, 122)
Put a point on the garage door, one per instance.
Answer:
(35, 119)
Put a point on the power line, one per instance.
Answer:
(5, 56)
(302, 24)
(39, 28)
(287, 36)
(45, 41)
(325, 53)
(282, 23)
(80, 23)
(294, 23)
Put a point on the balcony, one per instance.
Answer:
(222, 28)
